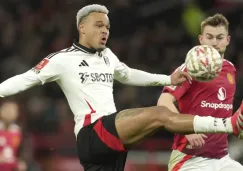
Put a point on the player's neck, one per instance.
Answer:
(84, 45)
(222, 55)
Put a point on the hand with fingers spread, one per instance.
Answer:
(195, 141)
(178, 77)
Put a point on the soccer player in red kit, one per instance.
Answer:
(10, 137)
(200, 152)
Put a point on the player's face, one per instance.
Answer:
(215, 36)
(9, 112)
(95, 30)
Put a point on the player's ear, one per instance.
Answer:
(200, 38)
(81, 28)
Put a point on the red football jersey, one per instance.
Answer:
(213, 98)
(9, 144)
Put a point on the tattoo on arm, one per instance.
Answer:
(129, 112)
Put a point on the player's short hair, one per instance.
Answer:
(214, 21)
(85, 11)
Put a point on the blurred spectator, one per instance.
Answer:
(10, 136)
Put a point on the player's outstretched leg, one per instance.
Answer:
(133, 125)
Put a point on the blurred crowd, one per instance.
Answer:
(150, 35)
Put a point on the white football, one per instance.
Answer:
(203, 63)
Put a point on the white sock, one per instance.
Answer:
(210, 124)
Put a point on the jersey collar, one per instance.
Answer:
(83, 48)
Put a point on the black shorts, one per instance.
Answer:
(99, 147)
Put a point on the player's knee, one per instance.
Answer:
(162, 115)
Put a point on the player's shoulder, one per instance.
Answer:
(74, 50)
(228, 63)
(62, 54)
(57, 57)
(107, 52)
(228, 66)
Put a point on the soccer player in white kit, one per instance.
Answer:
(85, 72)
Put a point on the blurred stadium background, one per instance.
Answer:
(153, 35)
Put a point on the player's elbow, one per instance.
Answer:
(165, 99)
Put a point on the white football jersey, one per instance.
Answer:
(86, 78)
